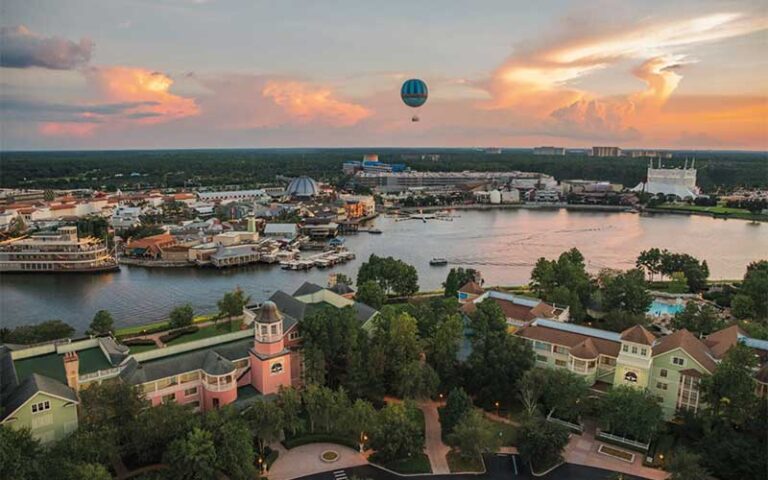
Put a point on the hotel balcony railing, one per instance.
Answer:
(221, 387)
(106, 373)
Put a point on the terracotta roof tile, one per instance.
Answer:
(569, 339)
(690, 344)
(638, 334)
(472, 287)
(721, 341)
(586, 350)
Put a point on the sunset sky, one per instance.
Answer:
(93, 74)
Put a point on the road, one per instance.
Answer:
(498, 468)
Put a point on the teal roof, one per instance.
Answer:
(50, 365)
(92, 360)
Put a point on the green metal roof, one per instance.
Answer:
(50, 365)
(92, 360)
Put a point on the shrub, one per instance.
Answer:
(294, 442)
(179, 332)
(138, 341)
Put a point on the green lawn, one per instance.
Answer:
(132, 330)
(507, 432)
(718, 210)
(458, 464)
(207, 332)
(405, 466)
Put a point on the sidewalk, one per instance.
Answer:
(435, 448)
(305, 460)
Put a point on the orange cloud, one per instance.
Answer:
(306, 103)
(130, 84)
(538, 84)
(66, 129)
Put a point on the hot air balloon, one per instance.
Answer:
(414, 94)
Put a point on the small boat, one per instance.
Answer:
(438, 261)
(375, 231)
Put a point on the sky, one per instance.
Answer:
(135, 74)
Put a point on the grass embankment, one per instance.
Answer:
(156, 326)
(208, 332)
(459, 464)
(718, 211)
(416, 464)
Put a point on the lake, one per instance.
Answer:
(503, 244)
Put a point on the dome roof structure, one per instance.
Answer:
(302, 187)
(270, 313)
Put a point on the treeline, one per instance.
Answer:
(179, 168)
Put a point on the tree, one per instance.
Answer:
(619, 320)
(626, 291)
(755, 287)
(323, 407)
(417, 380)
(20, 455)
(730, 390)
(182, 316)
(541, 442)
(265, 420)
(101, 324)
(150, 432)
(498, 360)
(91, 471)
(113, 406)
(564, 281)
(650, 261)
(234, 443)
(473, 435)
(289, 401)
(443, 349)
(343, 279)
(232, 304)
(393, 276)
(396, 342)
(678, 284)
(456, 279)
(700, 319)
(360, 420)
(193, 456)
(553, 392)
(630, 412)
(371, 294)
(743, 306)
(457, 405)
(42, 332)
(686, 465)
(398, 433)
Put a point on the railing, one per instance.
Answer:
(108, 372)
(643, 447)
(574, 427)
(221, 387)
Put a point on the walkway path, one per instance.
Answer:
(305, 460)
(435, 448)
(582, 450)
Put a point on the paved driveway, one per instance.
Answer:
(305, 460)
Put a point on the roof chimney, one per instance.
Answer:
(72, 369)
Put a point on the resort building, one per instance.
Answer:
(553, 151)
(670, 367)
(40, 384)
(606, 151)
(403, 181)
(518, 310)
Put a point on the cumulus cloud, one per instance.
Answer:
(61, 129)
(22, 48)
(36, 110)
(540, 80)
(306, 103)
(148, 90)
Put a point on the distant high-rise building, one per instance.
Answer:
(606, 151)
(548, 150)
(649, 154)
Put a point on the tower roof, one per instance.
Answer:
(638, 334)
(269, 313)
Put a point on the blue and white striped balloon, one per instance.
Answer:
(414, 92)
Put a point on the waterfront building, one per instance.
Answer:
(550, 151)
(606, 152)
(579, 186)
(125, 217)
(52, 252)
(302, 188)
(232, 195)
(649, 154)
(669, 367)
(40, 383)
(9, 196)
(281, 230)
(403, 181)
(519, 310)
(680, 182)
(150, 247)
(357, 206)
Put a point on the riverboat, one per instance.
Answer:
(61, 251)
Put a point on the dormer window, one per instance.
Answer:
(678, 361)
(634, 350)
(643, 351)
(624, 348)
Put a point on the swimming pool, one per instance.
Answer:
(658, 308)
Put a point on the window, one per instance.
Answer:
(661, 385)
(561, 363)
(190, 377)
(273, 330)
(607, 361)
(276, 368)
(41, 406)
(644, 351)
(170, 398)
(634, 350)
(630, 377)
(663, 373)
(561, 350)
(294, 335)
(678, 361)
(624, 348)
(541, 346)
(263, 329)
(541, 358)
(190, 391)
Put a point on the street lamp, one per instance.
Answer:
(261, 465)
(497, 409)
